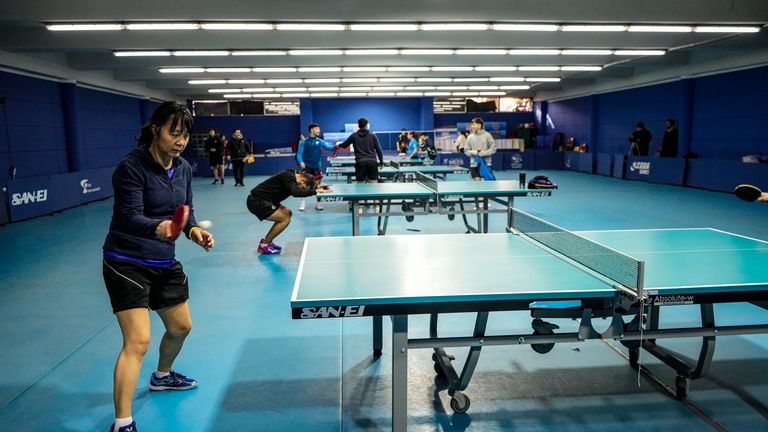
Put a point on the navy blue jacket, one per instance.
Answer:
(144, 197)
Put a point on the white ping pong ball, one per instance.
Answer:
(205, 224)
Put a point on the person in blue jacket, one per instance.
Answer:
(309, 156)
(139, 265)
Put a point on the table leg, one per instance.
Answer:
(399, 373)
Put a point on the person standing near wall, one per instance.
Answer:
(479, 143)
(367, 149)
(640, 140)
(239, 148)
(669, 141)
(214, 145)
(309, 157)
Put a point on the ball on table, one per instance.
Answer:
(205, 224)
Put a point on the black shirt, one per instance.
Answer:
(279, 187)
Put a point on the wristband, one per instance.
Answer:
(191, 230)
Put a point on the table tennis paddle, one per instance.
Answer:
(748, 192)
(179, 221)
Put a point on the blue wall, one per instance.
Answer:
(109, 125)
(513, 119)
(263, 131)
(384, 114)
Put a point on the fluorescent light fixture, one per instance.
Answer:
(381, 94)
(284, 81)
(371, 52)
(236, 95)
(465, 94)
(319, 69)
(259, 53)
(315, 52)
(452, 88)
(534, 52)
(453, 27)
(452, 68)
(321, 80)
(203, 81)
(273, 69)
(639, 52)
(258, 90)
(481, 52)
(265, 95)
(553, 79)
(323, 94)
(660, 28)
(594, 28)
(291, 89)
(228, 70)
(323, 89)
(357, 89)
(726, 29)
(210, 53)
(492, 93)
(581, 68)
(434, 79)
(437, 94)
(182, 70)
(163, 26)
(586, 52)
(411, 94)
(539, 68)
(505, 79)
(483, 87)
(295, 95)
(408, 69)
(245, 81)
(495, 68)
(365, 69)
(388, 88)
(515, 87)
(525, 27)
(142, 53)
(218, 90)
(422, 88)
(353, 94)
(397, 79)
(311, 27)
(384, 27)
(84, 27)
(470, 79)
(237, 26)
(359, 80)
(426, 52)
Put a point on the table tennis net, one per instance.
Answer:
(610, 263)
(426, 181)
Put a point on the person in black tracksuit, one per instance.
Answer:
(239, 148)
(264, 202)
(367, 148)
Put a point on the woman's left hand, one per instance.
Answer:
(202, 238)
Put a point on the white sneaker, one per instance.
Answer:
(302, 204)
(319, 207)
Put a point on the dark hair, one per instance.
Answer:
(423, 134)
(671, 121)
(211, 129)
(362, 122)
(166, 110)
(312, 126)
(309, 180)
(477, 120)
(237, 129)
(640, 125)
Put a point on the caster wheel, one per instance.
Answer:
(460, 402)
(543, 348)
(451, 216)
(634, 326)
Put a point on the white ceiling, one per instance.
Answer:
(23, 36)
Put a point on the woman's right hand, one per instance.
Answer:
(163, 230)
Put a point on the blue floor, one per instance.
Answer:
(259, 370)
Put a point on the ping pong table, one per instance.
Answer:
(343, 161)
(428, 196)
(397, 172)
(541, 268)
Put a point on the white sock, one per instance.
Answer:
(159, 374)
(120, 422)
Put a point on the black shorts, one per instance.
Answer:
(474, 172)
(216, 160)
(262, 209)
(132, 285)
(366, 170)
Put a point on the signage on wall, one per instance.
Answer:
(640, 167)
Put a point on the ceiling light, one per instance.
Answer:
(426, 52)
(237, 26)
(412, 94)
(481, 52)
(83, 27)
(245, 81)
(163, 26)
(483, 87)
(384, 27)
(319, 69)
(228, 70)
(493, 93)
(353, 94)
(219, 81)
(291, 89)
(452, 68)
(452, 88)
(495, 68)
(506, 79)
(586, 52)
(515, 87)
(259, 53)
(201, 53)
(660, 29)
(543, 79)
(581, 68)
(323, 94)
(594, 28)
(265, 95)
(381, 94)
(525, 27)
(273, 69)
(470, 79)
(365, 69)
(371, 52)
(452, 27)
(434, 79)
(421, 88)
(323, 89)
(295, 95)
(142, 53)
(539, 68)
(465, 94)
(437, 94)
(315, 52)
(388, 88)
(182, 70)
(258, 89)
(408, 69)
(284, 81)
(358, 89)
(322, 80)
(725, 29)
(397, 79)
(236, 95)
(359, 80)
(534, 52)
(312, 27)
(217, 90)
(639, 52)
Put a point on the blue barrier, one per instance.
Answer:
(581, 162)
(619, 161)
(4, 219)
(604, 164)
(655, 170)
(724, 176)
(549, 160)
(29, 198)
